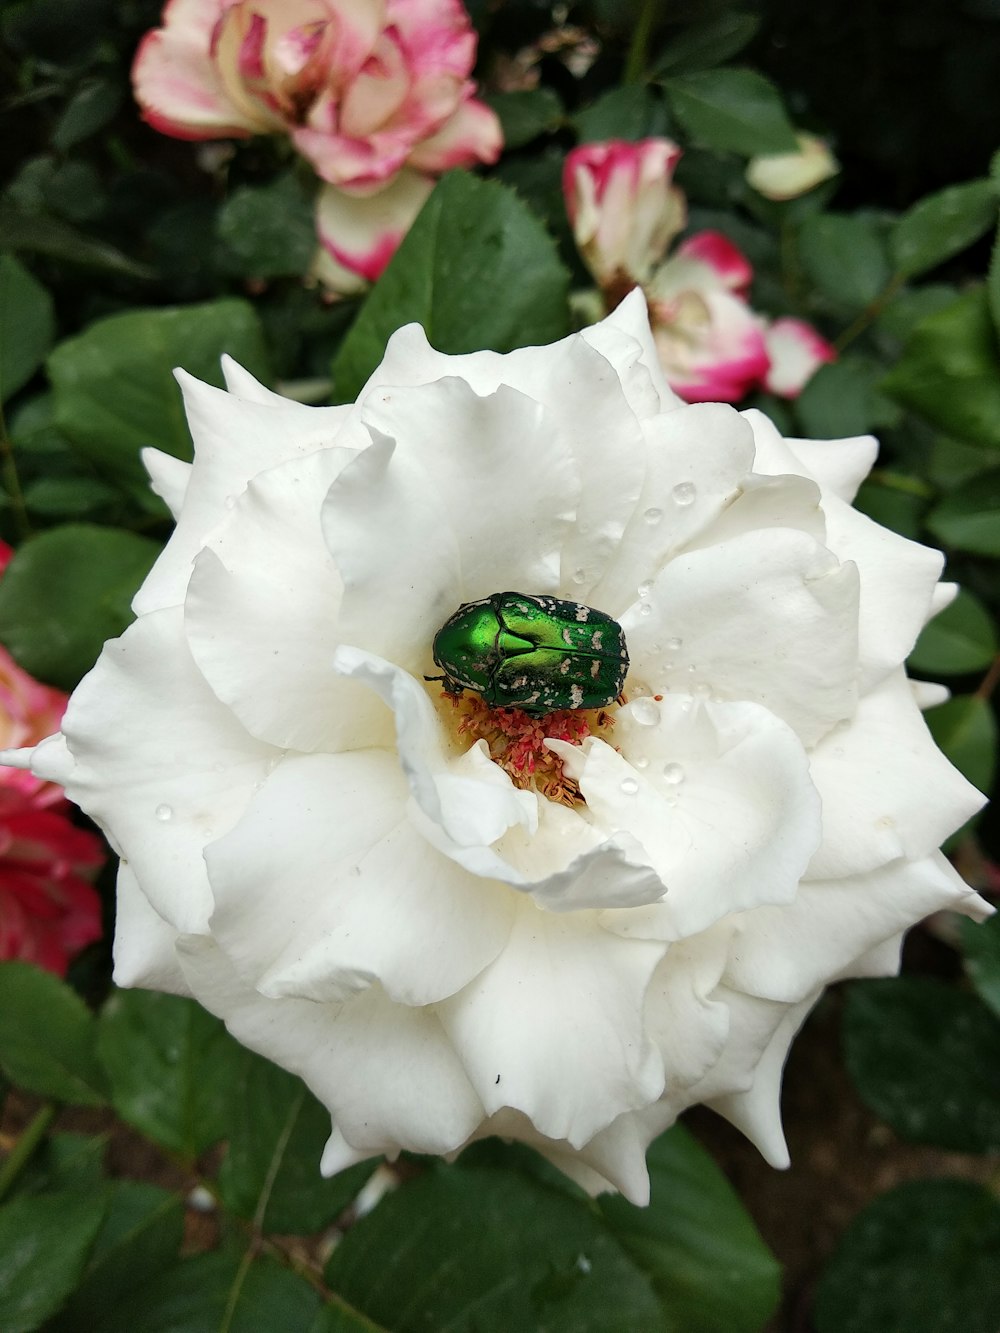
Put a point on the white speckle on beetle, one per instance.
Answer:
(595, 640)
(576, 694)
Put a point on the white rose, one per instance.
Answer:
(312, 848)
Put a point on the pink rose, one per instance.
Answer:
(48, 908)
(362, 89)
(623, 207)
(711, 344)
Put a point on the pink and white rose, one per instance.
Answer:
(711, 344)
(362, 89)
(623, 207)
(366, 879)
(625, 212)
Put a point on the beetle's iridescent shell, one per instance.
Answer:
(518, 650)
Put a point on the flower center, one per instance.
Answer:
(516, 739)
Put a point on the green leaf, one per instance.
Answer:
(476, 269)
(276, 1137)
(921, 1259)
(706, 1259)
(735, 110)
(44, 1242)
(966, 731)
(926, 1058)
(993, 282)
(269, 229)
(911, 305)
(27, 325)
(475, 1250)
(114, 387)
(87, 111)
(891, 505)
(65, 592)
(842, 400)
(171, 1067)
(948, 371)
(64, 1162)
(708, 42)
(212, 1293)
(68, 497)
(942, 225)
(966, 520)
(960, 639)
(981, 952)
(47, 1037)
(526, 114)
(139, 1238)
(844, 256)
(632, 112)
(22, 230)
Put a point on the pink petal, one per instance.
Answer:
(362, 235)
(796, 351)
(471, 135)
(720, 254)
(176, 82)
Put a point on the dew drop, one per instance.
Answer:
(640, 762)
(692, 670)
(579, 575)
(645, 609)
(645, 712)
(674, 774)
(684, 493)
(653, 516)
(164, 813)
(674, 645)
(644, 589)
(230, 501)
(629, 786)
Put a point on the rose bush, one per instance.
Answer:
(625, 212)
(453, 922)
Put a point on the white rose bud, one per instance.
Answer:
(782, 176)
(454, 920)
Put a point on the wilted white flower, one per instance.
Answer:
(456, 921)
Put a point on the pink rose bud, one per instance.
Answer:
(623, 208)
(796, 352)
(362, 90)
(781, 176)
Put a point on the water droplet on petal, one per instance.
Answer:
(645, 712)
(684, 493)
(674, 645)
(629, 786)
(640, 762)
(674, 774)
(653, 516)
(644, 589)
(579, 575)
(164, 813)
(645, 609)
(230, 501)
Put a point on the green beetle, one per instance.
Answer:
(537, 653)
